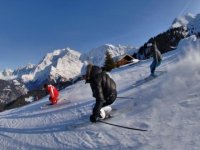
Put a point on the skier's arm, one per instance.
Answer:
(97, 107)
(51, 92)
(156, 56)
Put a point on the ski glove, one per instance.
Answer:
(93, 118)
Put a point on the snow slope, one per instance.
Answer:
(167, 106)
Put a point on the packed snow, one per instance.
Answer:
(167, 106)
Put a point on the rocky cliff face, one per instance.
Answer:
(11, 90)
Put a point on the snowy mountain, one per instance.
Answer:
(11, 90)
(190, 22)
(167, 106)
(97, 56)
(24, 70)
(65, 63)
(8, 74)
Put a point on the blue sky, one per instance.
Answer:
(31, 28)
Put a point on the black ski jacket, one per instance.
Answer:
(103, 89)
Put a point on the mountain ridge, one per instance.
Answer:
(64, 63)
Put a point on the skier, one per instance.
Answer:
(53, 92)
(157, 58)
(103, 89)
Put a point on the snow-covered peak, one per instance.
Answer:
(29, 66)
(63, 63)
(97, 55)
(190, 21)
(24, 70)
(183, 20)
(7, 72)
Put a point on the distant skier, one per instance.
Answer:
(103, 89)
(53, 92)
(157, 58)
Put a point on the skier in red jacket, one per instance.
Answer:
(53, 92)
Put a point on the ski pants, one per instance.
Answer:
(53, 100)
(106, 109)
(153, 65)
(110, 99)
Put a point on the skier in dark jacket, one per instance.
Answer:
(103, 89)
(157, 58)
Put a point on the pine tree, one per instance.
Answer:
(109, 62)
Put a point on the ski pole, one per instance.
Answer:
(124, 97)
(125, 127)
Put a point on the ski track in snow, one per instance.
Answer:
(168, 107)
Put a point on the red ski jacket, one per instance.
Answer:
(53, 92)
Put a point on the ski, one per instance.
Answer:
(148, 79)
(61, 103)
(114, 113)
(125, 97)
(82, 124)
(142, 81)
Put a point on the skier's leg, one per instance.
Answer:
(110, 99)
(54, 100)
(156, 65)
(153, 67)
(106, 109)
